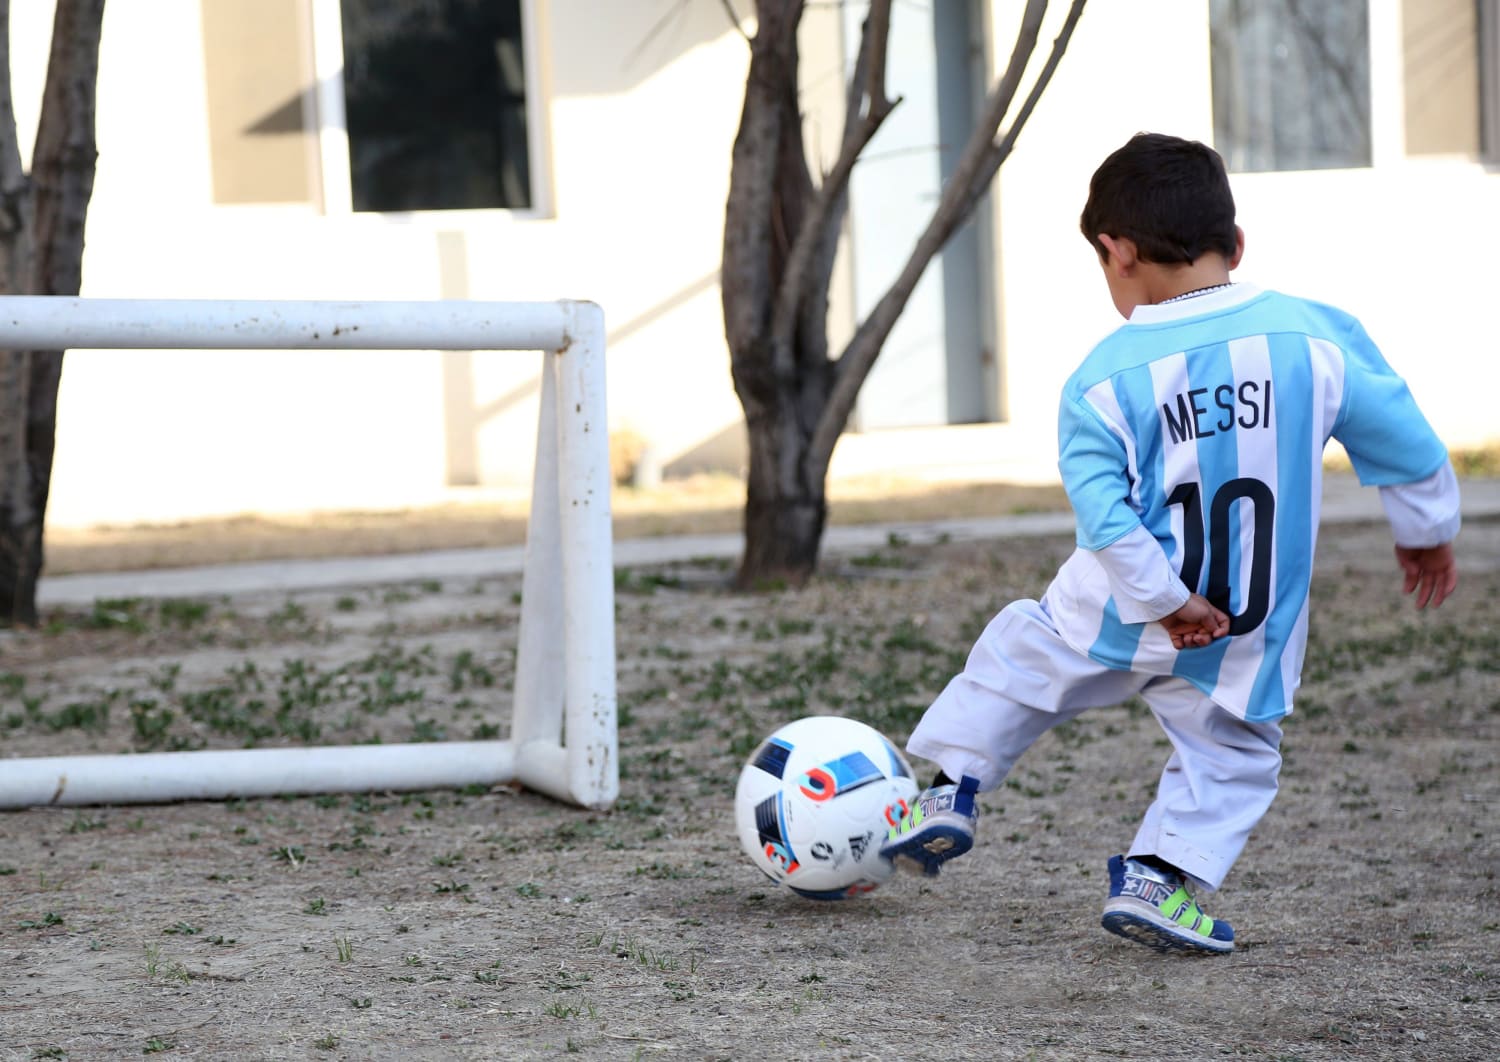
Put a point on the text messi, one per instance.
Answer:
(1248, 406)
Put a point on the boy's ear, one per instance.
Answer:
(1123, 255)
(1239, 247)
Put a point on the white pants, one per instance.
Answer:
(1022, 679)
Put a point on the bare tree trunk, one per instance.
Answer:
(770, 189)
(780, 237)
(780, 234)
(41, 253)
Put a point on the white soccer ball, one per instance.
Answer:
(813, 804)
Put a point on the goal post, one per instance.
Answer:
(563, 740)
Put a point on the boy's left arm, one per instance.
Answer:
(1147, 589)
(1095, 466)
(1195, 624)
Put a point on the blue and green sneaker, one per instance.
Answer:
(1152, 907)
(938, 826)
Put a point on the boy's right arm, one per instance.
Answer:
(1424, 518)
(1392, 447)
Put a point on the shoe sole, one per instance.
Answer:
(1140, 927)
(927, 850)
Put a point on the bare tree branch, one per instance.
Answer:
(780, 242)
(977, 166)
(1008, 143)
(734, 18)
(867, 108)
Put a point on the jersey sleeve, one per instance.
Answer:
(1094, 465)
(1095, 462)
(1425, 513)
(1386, 436)
(1141, 579)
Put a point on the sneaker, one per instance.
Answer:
(1152, 907)
(938, 826)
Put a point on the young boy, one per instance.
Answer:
(1191, 445)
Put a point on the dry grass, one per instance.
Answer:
(483, 924)
(700, 505)
(705, 504)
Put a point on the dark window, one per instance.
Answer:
(1291, 83)
(435, 101)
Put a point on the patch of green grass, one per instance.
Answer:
(628, 581)
(659, 871)
(177, 612)
(82, 715)
(156, 967)
(290, 614)
(47, 921)
(426, 730)
(118, 613)
(151, 722)
(466, 671)
(633, 950)
(291, 854)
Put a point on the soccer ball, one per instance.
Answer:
(813, 804)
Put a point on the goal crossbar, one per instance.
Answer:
(563, 739)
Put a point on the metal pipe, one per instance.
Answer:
(160, 777)
(587, 564)
(569, 583)
(52, 322)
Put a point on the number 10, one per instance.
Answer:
(1258, 600)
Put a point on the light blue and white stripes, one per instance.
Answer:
(1204, 422)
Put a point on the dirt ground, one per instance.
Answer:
(694, 505)
(503, 925)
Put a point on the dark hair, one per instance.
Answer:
(1169, 196)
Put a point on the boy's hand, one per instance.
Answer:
(1431, 572)
(1197, 623)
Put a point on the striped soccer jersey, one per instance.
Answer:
(1201, 424)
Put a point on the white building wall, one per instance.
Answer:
(640, 128)
(1406, 245)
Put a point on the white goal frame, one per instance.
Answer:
(564, 739)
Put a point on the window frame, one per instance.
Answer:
(1488, 29)
(325, 31)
